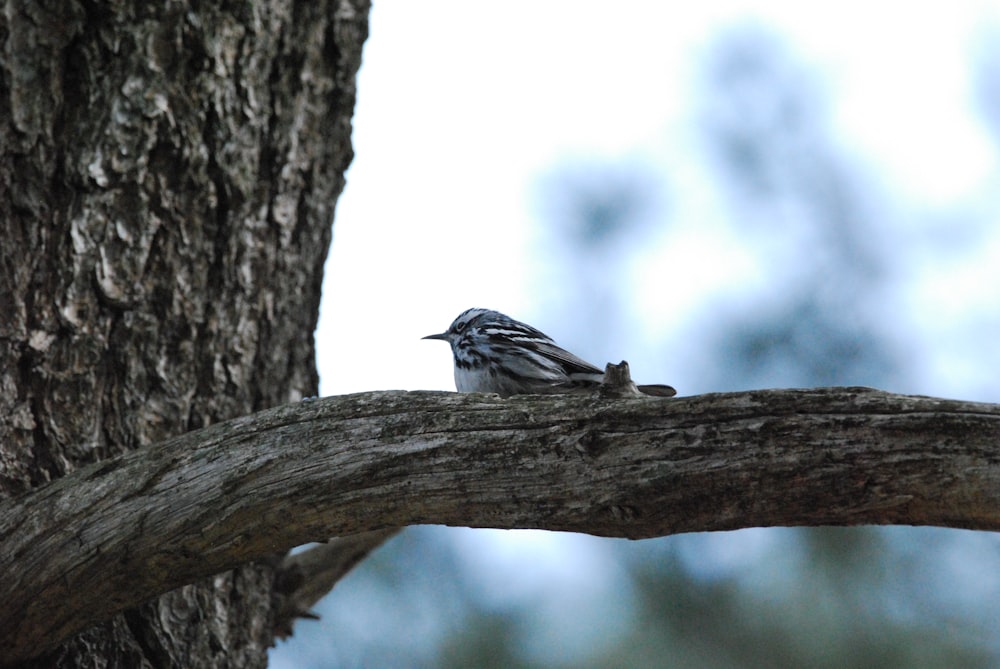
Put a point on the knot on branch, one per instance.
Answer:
(618, 382)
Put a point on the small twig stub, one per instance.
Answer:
(618, 382)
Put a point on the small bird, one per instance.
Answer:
(496, 354)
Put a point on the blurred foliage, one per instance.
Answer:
(820, 323)
(828, 619)
(814, 597)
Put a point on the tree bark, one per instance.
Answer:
(118, 532)
(168, 177)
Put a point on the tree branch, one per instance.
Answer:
(116, 533)
(304, 578)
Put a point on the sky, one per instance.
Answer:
(465, 108)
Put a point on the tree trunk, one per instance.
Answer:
(167, 189)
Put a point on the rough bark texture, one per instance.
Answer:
(168, 173)
(121, 531)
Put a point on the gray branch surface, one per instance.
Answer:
(114, 534)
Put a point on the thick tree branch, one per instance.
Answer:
(123, 530)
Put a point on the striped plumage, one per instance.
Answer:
(496, 354)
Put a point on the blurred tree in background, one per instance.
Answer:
(816, 597)
(818, 324)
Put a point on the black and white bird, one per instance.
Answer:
(496, 354)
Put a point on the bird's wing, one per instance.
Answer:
(531, 351)
(571, 363)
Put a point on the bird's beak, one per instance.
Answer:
(443, 336)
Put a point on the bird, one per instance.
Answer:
(496, 354)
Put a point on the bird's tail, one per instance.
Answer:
(658, 390)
